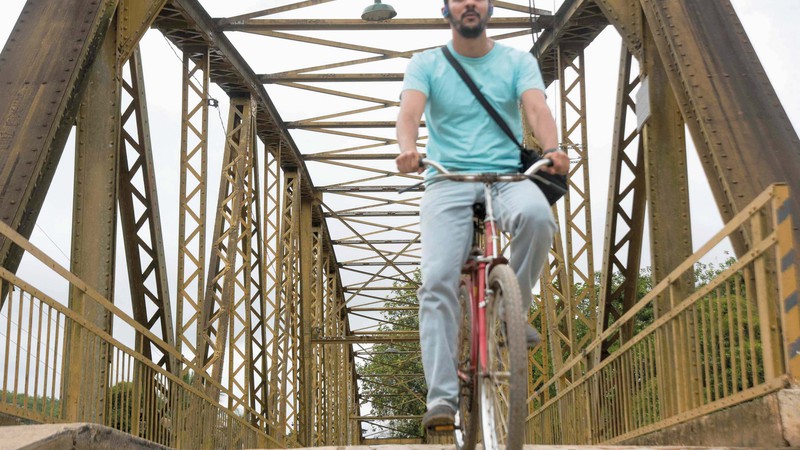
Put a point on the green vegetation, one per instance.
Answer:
(46, 406)
(401, 395)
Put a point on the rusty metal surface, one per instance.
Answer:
(625, 212)
(187, 25)
(575, 25)
(39, 100)
(641, 388)
(140, 219)
(742, 133)
(135, 18)
(94, 221)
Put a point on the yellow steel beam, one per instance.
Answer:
(578, 211)
(93, 234)
(624, 224)
(37, 116)
(134, 18)
(245, 281)
(261, 25)
(270, 11)
(727, 102)
(144, 245)
(307, 304)
(218, 302)
(192, 202)
(627, 18)
(667, 199)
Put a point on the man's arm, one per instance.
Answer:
(541, 121)
(412, 105)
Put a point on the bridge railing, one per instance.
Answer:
(117, 385)
(686, 350)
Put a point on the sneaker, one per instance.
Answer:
(439, 417)
(532, 336)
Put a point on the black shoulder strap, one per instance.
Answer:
(478, 95)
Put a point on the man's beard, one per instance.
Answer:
(469, 32)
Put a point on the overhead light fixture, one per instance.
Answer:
(378, 12)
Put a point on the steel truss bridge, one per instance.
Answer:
(283, 270)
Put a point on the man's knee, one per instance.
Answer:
(537, 219)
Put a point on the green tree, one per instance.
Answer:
(392, 379)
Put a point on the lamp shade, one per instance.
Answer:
(377, 12)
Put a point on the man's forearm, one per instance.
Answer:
(407, 134)
(544, 128)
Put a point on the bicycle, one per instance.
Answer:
(492, 363)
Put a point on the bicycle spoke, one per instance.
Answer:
(498, 377)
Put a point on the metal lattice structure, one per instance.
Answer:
(287, 282)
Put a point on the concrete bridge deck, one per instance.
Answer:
(97, 437)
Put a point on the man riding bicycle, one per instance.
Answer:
(464, 138)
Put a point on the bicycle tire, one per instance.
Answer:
(503, 392)
(467, 417)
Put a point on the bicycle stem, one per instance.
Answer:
(491, 236)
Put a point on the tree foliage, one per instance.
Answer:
(392, 378)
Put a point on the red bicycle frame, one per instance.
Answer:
(478, 268)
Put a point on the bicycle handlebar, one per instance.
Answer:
(445, 174)
(485, 177)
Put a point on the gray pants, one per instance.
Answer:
(446, 226)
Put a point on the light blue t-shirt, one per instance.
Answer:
(461, 134)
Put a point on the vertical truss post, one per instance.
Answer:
(308, 293)
(555, 292)
(321, 422)
(283, 374)
(223, 271)
(354, 432)
(267, 391)
(257, 335)
(330, 354)
(337, 326)
(243, 282)
(668, 207)
(93, 235)
(579, 245)
(144, 245)
(622, 248)
(623, 234)
(538, 358)
(192, 203)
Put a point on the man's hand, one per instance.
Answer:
(409, 162)
(560, 163)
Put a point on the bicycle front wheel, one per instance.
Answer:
(466, 431)
(504, 387)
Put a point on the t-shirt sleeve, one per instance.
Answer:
(528, 76)
(416, 77)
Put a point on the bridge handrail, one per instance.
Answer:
(9, 279)
(777, 372)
